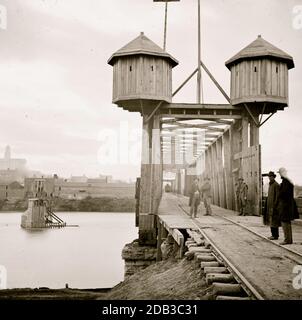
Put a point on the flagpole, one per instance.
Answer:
(165, 27)
(199, 58)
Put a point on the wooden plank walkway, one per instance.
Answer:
(171, 214)
(267, 266)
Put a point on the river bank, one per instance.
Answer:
(166, 280)
(102, 204)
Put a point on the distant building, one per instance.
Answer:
(67, 189)
(9, 163)
(82, 179)
(94, 188)
(11, 191)
(11, 169)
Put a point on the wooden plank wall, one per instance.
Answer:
(142, 75)
(256, 78)
(235, 154)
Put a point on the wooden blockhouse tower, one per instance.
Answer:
(259, 76)
(142, 75)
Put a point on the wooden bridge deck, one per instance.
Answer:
(173, 208)
(267, 266)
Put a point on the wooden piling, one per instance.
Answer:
(226, 289)
(215, 270)
(232, 298)
(219, 277)
(205, 264)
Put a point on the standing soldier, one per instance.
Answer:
(206, 196)
(271, 216)
(287, 207)
(194, 200)
(241, 195)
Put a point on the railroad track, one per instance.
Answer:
(224, 285)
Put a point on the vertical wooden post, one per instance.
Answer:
(244, 148)
(228, 169)
(236, 146)
(220, 175)
(256, 168)
(254, 132)
(215, 175)
(211, 173)
(173, 158)
(146, 167)
(150, 185)
(159, 240)
(156, 182)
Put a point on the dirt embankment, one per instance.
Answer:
(170, 279)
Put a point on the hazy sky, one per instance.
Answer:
(56, 86)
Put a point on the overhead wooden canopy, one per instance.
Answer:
(190, 127)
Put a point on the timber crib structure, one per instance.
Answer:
(219, 141)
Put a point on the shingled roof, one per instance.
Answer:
(261, 48)
(142, 46)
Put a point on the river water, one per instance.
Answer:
(88, 256)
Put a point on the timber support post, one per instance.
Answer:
(151, 181)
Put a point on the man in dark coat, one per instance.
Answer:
(271, 216)
(286, 206)
(206, 196)
(194, 200)
(241, 196)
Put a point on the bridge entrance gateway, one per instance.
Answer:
(219, 141)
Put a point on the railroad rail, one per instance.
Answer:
(251, 290)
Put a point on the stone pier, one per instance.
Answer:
(137, 257)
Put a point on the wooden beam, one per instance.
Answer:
(251, 114)
(185, 82)
(201, 106)
(215, 82)
(261, 124)
(206, 127)
(210, 123)
(205, 116)
(153, 112)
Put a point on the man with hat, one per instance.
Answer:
(194, 199)
(206, 196)
(287, 207)
(271, 216)
(241, 195)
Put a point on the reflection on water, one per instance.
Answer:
(88, 256)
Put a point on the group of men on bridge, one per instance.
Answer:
(198, 193)
(204, 193)
(280, 208)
